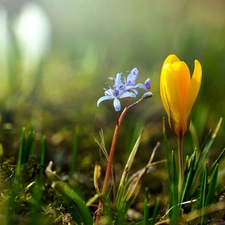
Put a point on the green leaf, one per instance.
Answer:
(217, 161)
(175, 211)
(29, 145)
(75, 150)
(37, 193)
(189, 177)
(201, 158)
(70, 194)
(42, 155)
(146, 208)
(203, 190)
(155, 212)
(203, 193)
(169, 162)
(212, 186)
(20, 156)
(175, 181)
(123, 181)
(134, 182)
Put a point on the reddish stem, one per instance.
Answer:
(111, 154)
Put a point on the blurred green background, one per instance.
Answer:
(56, 56)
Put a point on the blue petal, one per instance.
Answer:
(109, 92)
(135, 91)
(127, 94)
(132, 76)
(148, 84)
(140, 86)
(112, 78)
(118, 81)
(103, 98)
(116, 104)
(131, 87)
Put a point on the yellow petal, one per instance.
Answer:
(171, 59)
(182, 73)
(162, 90)
(194, 88)
(170, 96)
(179, 92)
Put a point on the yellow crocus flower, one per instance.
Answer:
(179, 91)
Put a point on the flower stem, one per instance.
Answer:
(111, 154)
(180, 141)
(110, 160)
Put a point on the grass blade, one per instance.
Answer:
(203, 189)
(212, 186)
(72, 196)
(189, 176)
(169, 162)
(155, 212)
(203, 192)
(21, 152)
(42, 155)
(146, 208)
(29, 146)
(176, 209)
(203, 155)
(75, 150)
(175, 181)
(216, 161)
(124, 177)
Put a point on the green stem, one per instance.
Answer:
(180, 141)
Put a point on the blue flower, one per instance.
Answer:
(123, 88)
(118, 81)
(146, 86)
(116, 94)
(131, 79)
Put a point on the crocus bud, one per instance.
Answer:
(179, 91)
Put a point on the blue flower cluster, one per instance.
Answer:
(123, 88)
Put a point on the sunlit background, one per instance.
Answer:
(56, 56)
